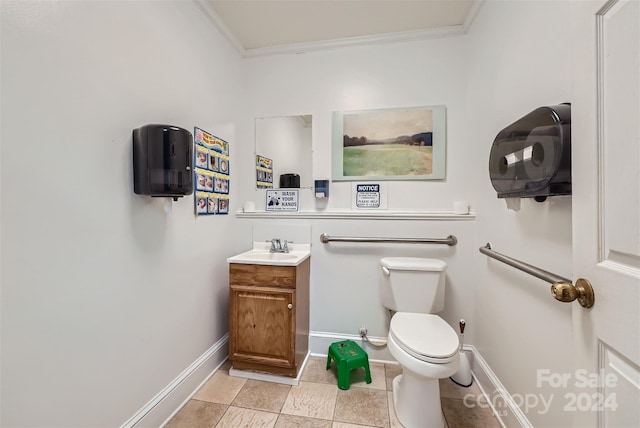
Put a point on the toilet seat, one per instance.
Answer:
(426, 337)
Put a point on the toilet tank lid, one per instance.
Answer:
(413, 263)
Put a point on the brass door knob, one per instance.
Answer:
(582, 291)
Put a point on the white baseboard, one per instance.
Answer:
(319, 342)
(286, 380)
(173, 396)
(503, 406)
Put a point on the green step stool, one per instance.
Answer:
(348, 356)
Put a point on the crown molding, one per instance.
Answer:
(473, 13)
(299, 48)
(407, 36)
(210, 13)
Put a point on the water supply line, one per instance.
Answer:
(363, 335)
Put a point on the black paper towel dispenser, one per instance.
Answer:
(531, 158)
(162, 161)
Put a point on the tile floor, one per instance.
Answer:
(226, 401)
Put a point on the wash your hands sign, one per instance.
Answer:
(282, 200)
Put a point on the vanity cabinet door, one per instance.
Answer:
(262, 328)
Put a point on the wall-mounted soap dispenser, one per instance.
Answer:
(531, 158)
(162, 161)
(321, 188)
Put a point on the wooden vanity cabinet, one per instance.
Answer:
(269, 317)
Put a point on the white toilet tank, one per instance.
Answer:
(411, 284)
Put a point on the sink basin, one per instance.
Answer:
(261, 256)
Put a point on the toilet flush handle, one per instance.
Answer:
(386, 271)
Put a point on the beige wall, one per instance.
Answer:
(106, 297)
(519, 61)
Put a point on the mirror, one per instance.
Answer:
(283, 146)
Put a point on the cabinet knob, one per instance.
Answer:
(290, 306)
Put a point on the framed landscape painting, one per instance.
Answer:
(389, 144)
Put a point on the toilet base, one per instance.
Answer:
(417, 402)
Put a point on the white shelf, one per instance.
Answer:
(362, 215)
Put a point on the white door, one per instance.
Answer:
(606, 214)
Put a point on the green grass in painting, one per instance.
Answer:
(386, 160)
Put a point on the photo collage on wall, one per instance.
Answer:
(211, 174)
(264, 172)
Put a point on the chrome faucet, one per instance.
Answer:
(278, 247)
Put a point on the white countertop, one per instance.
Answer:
(260, 255)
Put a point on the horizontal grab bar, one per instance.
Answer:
(525, 267)
(449, 240)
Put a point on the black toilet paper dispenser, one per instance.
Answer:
(531, 158)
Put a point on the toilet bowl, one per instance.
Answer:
(425, 346)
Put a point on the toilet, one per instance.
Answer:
(424, 345)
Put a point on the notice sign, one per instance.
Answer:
(369, 196)
(282, 200)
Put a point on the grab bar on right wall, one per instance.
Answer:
(561, 289)
(525, 267)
